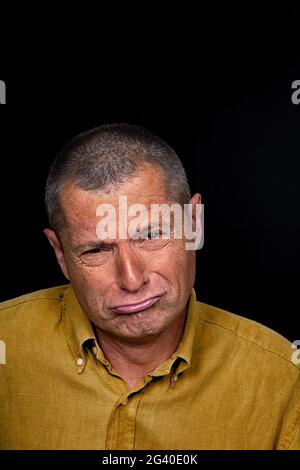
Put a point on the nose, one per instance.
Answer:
(130, 269)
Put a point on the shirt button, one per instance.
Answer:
(125, 401)
(79, 361)
(175, 378)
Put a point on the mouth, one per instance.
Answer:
(137, 307)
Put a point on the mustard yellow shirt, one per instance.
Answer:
(230, 385)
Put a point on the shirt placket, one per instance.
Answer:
(122, 424)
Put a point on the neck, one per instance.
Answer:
(134, 360)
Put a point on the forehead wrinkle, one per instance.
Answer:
(76, 203)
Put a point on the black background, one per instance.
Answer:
(218, 89)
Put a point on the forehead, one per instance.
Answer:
(146, 187)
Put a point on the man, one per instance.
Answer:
(124, 357)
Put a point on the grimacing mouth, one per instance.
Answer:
(134, 307)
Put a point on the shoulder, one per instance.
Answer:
(257, 366)
(248, 336)
(31, 306)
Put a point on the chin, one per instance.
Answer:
(138, 336)
(139, 328)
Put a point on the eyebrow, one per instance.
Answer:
(101, 243)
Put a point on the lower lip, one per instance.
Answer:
(137, 307)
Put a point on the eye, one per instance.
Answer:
(154, 234)
(95, 251)
(150, 235)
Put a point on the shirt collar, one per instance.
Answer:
(185, 347)
(78, 330)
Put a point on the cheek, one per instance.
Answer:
(175, 261)
(186, 267)
(88, 278)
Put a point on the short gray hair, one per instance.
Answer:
(107, 156)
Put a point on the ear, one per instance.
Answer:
(56, 245)
(196, 199)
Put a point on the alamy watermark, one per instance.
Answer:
(2, 92)
(159, 223)
(296, 354)
(2, 352)
(296, 94)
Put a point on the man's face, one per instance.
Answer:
(130, 288)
